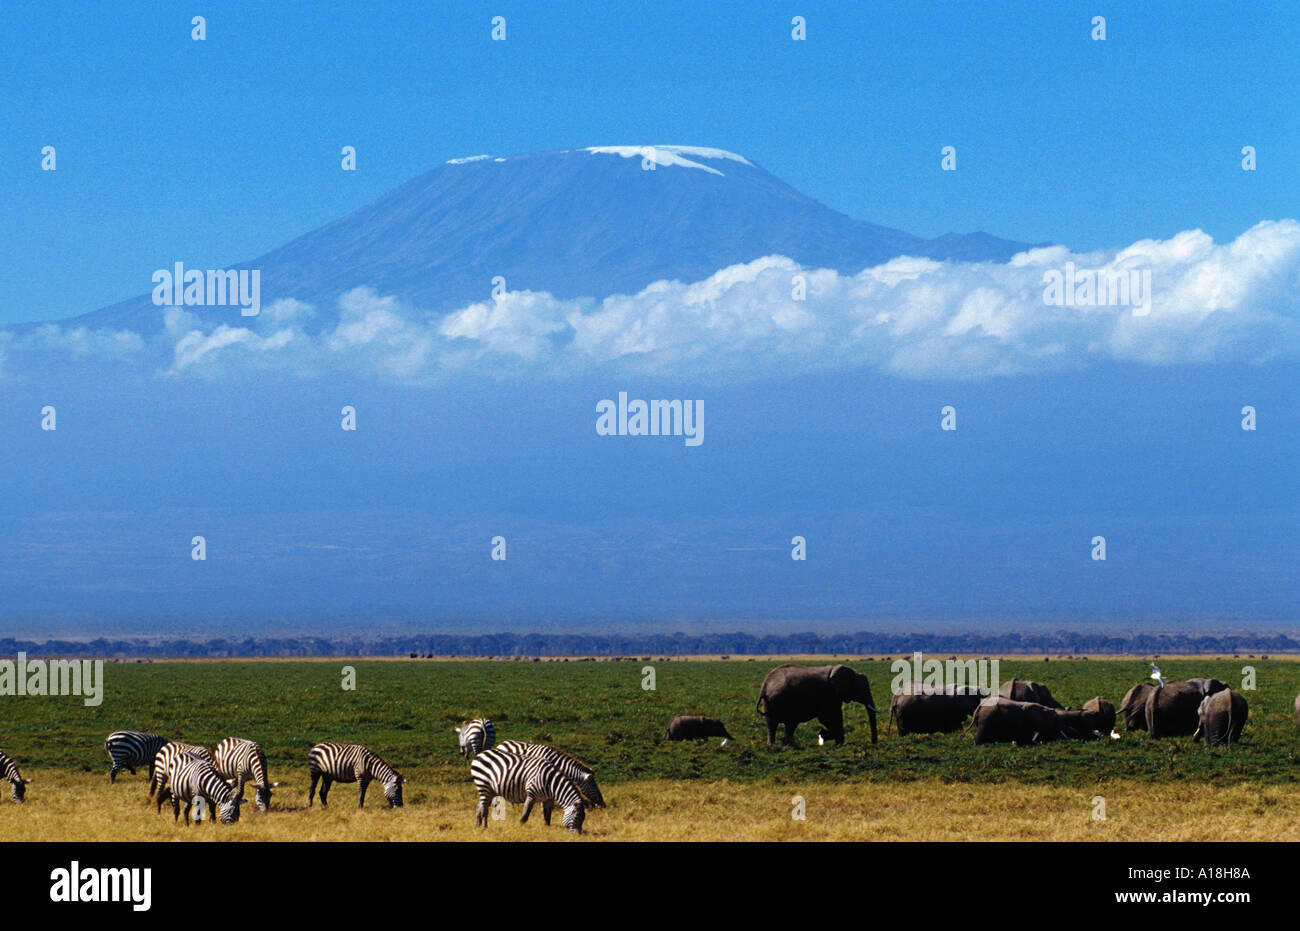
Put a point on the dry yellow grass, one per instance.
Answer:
(84, 807)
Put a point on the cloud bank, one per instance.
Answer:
(1231, 303)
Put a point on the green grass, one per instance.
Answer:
(405, 710)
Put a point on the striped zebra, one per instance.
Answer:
(9, 770)
(579, 773)
(240, 761)
(162, 761)
(193, 779)
(332, 762)
(499, 773)
(475, 737)
(129, 749)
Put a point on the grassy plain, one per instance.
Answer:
(937, 787)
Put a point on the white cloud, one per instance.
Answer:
(1238, 302)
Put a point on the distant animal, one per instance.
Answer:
(1221, 716)
(1297, 706)
(1133, 709)
(527, 780)
(129, 749)
(241, 761)
(1024, 690)
(331, 762)
(9, 770)
(579, 773)
(923, 711)
(475, 737)
(170, 751)
(192, 778)
(696, 727)
(793, 694)
(1003, 720)
(1171, 710)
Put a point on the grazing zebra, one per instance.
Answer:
(475, 737)
(579, 773)
(330, 762)
(515, 778)
(193, 778)
(130, 749)
(241, 761)
(162, 762)
(9, 770)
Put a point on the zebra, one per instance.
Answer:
(515, 778)
(193, 778)
(162, 761)
(9, 770)
(240, 761)
(579, 773)
(475, 737)
(331, 761)
(129, 749)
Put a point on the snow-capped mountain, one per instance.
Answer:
(578, 223)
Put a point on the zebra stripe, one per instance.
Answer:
(9, 770)
(243, 761)
(499, 773)
(164, 758)
(192, 778)
(579, 773)
(475, 737)
(338, 762)
(129, 749)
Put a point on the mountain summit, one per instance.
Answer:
(577, 223)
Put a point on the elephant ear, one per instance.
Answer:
(841, 677)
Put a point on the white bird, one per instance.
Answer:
(724, 742)
(820, 740)
(1155, 674)
(1114, 735)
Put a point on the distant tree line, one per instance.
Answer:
(732, 644)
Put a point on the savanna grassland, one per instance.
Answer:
(935, 787)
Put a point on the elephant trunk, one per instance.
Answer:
(871, 716)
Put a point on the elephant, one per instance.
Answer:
(695, 727)
(1102, 714)
(1095, 719)
(1221, 717)
(1172, 707)
(919, 712)
(1002, 720)
(1024, 690)
(1133, 709)
(793, 694)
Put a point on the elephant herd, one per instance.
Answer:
(1022, 712)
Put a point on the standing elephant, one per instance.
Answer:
(918, 712)
(1133, 709)
(695, 727)
(1024, 690)
(1001, 720)
(793, 694)
(1222, 715)
(1172, 708)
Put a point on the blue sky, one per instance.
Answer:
(822, 412)
(224, 149)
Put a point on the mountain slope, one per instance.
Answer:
(582, 223)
